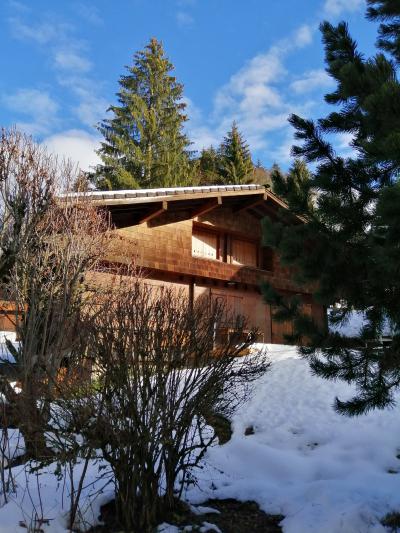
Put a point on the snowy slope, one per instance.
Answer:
(325, 473)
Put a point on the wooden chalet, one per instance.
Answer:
(206, 241)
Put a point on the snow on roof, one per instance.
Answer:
(167, 191)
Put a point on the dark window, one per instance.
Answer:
(267, 258)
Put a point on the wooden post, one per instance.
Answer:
(191, 293)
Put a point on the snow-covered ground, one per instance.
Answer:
(324, 472)
(355, 321)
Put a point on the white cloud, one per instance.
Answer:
(38, 105)
(69, 57)
(303, 36)
(18, 6)
(311, 80)
(91, 107)
(201, 135)
(282, 153)
(66, 52)
(91, 110)
(71, 60)
(337, 7)
(184, 19)
(345, 139)
(31, 101)
(342, 143)
(75, 145)
(90, 13)
(253, 96)
(42, 33)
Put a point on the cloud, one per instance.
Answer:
(18, 6)
(184, 19)
(89, 13)
(41, 33)
(337, 7)
(66, 52)
(311, 80)
(38, 105)
(342, 143)
(31, 101)
(303, 36)
(76, 145)
(253, 96)
(90, 107)
(200, 133)
(71, 60)
(281, 154)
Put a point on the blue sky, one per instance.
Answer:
(253, 61)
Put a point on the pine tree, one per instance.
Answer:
(236, 164)
(209, 167)
(348, 246)
(144, 143)
(293, 184)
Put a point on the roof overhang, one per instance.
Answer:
(133, 207)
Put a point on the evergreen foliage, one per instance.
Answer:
(348, 247)
(236, 164)
(209, 165)
(230, 163)
(293, 184)
(144, 143)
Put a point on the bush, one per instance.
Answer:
(159, 378)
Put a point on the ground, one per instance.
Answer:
(289, 452)
(322, 471)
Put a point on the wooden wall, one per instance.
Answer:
(166, 245)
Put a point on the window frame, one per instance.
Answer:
(224, 244)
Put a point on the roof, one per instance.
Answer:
(143, 205)
(143, 195)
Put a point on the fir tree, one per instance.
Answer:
(144, 143)
(348, 246)
(293, 184)
(209, 165)
(236, 164)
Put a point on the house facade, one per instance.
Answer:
(206, 241)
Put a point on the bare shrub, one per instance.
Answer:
(159, 378)
(47, 245)
(29, 178)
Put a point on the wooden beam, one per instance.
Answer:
(250, 203)
(206, 207)
(156, 210)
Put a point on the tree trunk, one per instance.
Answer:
(31, 422)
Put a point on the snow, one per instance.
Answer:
(44, 497)
(202, 509)
(356, 320)
(322, 471)
(206, 526)
(5, 354)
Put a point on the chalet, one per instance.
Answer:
(206, 241)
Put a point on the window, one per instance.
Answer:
(243, 253)
(267, 258)
(229, 247)
(204, 244)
